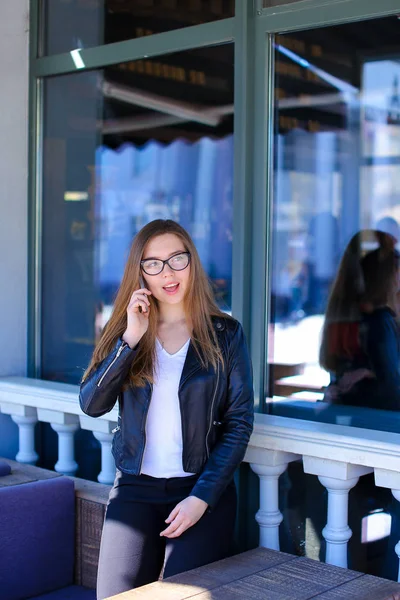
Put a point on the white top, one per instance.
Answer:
(163, 452)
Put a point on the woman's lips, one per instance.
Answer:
(171, 289)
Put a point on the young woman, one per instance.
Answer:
(361, 336)
(180, 371)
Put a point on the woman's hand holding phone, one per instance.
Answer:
(137, 316)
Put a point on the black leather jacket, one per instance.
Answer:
(216, 410)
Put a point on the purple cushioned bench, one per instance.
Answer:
(37, 536)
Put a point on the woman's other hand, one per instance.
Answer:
(184, 515)
(137, 317)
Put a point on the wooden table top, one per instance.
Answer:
(263, 574)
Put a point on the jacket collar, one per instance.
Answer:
(192, 363)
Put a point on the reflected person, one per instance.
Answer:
(360, 345)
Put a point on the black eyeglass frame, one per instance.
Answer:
(165, 262)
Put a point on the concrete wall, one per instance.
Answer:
(14, 60)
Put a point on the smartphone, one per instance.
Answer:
(142, 285)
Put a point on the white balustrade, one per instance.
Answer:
(356, 452)
(337, 454)
(31, 400)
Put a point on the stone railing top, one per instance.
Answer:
(345, 444)
(38, 393)
(353, 445)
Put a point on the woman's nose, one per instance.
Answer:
(167, 270)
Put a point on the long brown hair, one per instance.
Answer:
(199, 305)
(366, 279)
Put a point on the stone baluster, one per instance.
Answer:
(336, 531)
(65, 425)
(66, 462)
(26, 421)
(338, 478)
(396, 494)
(103, 431)
(107, 473)
(390, 479)
(269, 465)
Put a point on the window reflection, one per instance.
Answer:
(189, 182)
(360, 345)
(337, 146)
(122, 148)
(333, 338)
(72, 24)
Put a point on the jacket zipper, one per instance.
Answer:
(211, 413)
(144, 431)
(120, 349)
(118, 427)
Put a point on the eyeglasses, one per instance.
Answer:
(154, 266)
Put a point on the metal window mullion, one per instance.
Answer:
(188, 38)
(242, 168)
(40, 40)
(38, 223)
(262, 209)
(34, 197)
(309, 14)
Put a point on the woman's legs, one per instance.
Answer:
(210, 539)
(131, 550)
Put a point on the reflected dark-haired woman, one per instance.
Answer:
(181, 374)
(361, 350)
(361, 337)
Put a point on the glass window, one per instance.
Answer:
(72, 24)
(122, 148)
(334, 350)
(334, 337)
